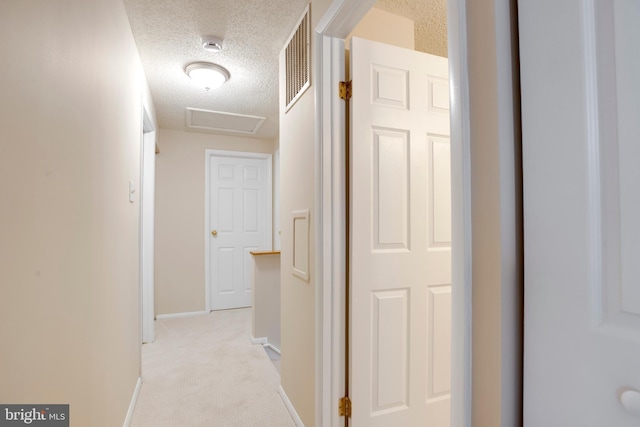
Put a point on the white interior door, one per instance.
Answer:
(240, 222)
(581, 150)
(400, 363)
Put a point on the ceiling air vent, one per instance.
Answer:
(297, 61)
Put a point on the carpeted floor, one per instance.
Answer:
(203, 371)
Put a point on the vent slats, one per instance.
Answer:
(297, 62)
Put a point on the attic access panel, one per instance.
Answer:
(221, 121)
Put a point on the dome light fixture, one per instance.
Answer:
(207, 74)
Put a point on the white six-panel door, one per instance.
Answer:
(239, 222)
(400, 238)
(580, 66)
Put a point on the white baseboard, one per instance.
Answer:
(290, 408)
(272, 347)
(264, 341)
(260, 340)
(172, 315)
(132, 404)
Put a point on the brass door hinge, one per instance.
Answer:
(345, 90)
(344, 407)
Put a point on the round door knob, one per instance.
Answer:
(630, 400)
(214, 233)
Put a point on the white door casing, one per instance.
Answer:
(400, 237)
(580, 109)
(237, 221)
(277, 236)
(147, 225)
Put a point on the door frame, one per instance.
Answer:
(207, 203)
(147, 221)
(339, 20)
(277, 238)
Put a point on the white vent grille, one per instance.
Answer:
(297, 61)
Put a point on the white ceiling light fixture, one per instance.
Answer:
(207, 74)
(211, 43)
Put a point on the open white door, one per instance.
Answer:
(400, 364)
(239, 222)
(581, 150)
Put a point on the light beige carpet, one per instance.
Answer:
(203, 371)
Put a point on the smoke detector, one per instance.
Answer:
(211, 43)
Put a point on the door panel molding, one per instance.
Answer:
(611, 164)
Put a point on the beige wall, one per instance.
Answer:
(266, 298)
(297, 187)
(385, 27)
(70, 123)
(179, 240)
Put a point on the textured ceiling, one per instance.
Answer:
(430, 22)
(168, 33)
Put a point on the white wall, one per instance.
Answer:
(70, 123)
(180, 175)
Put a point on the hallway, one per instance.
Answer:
(203, 371)
(74, 110)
